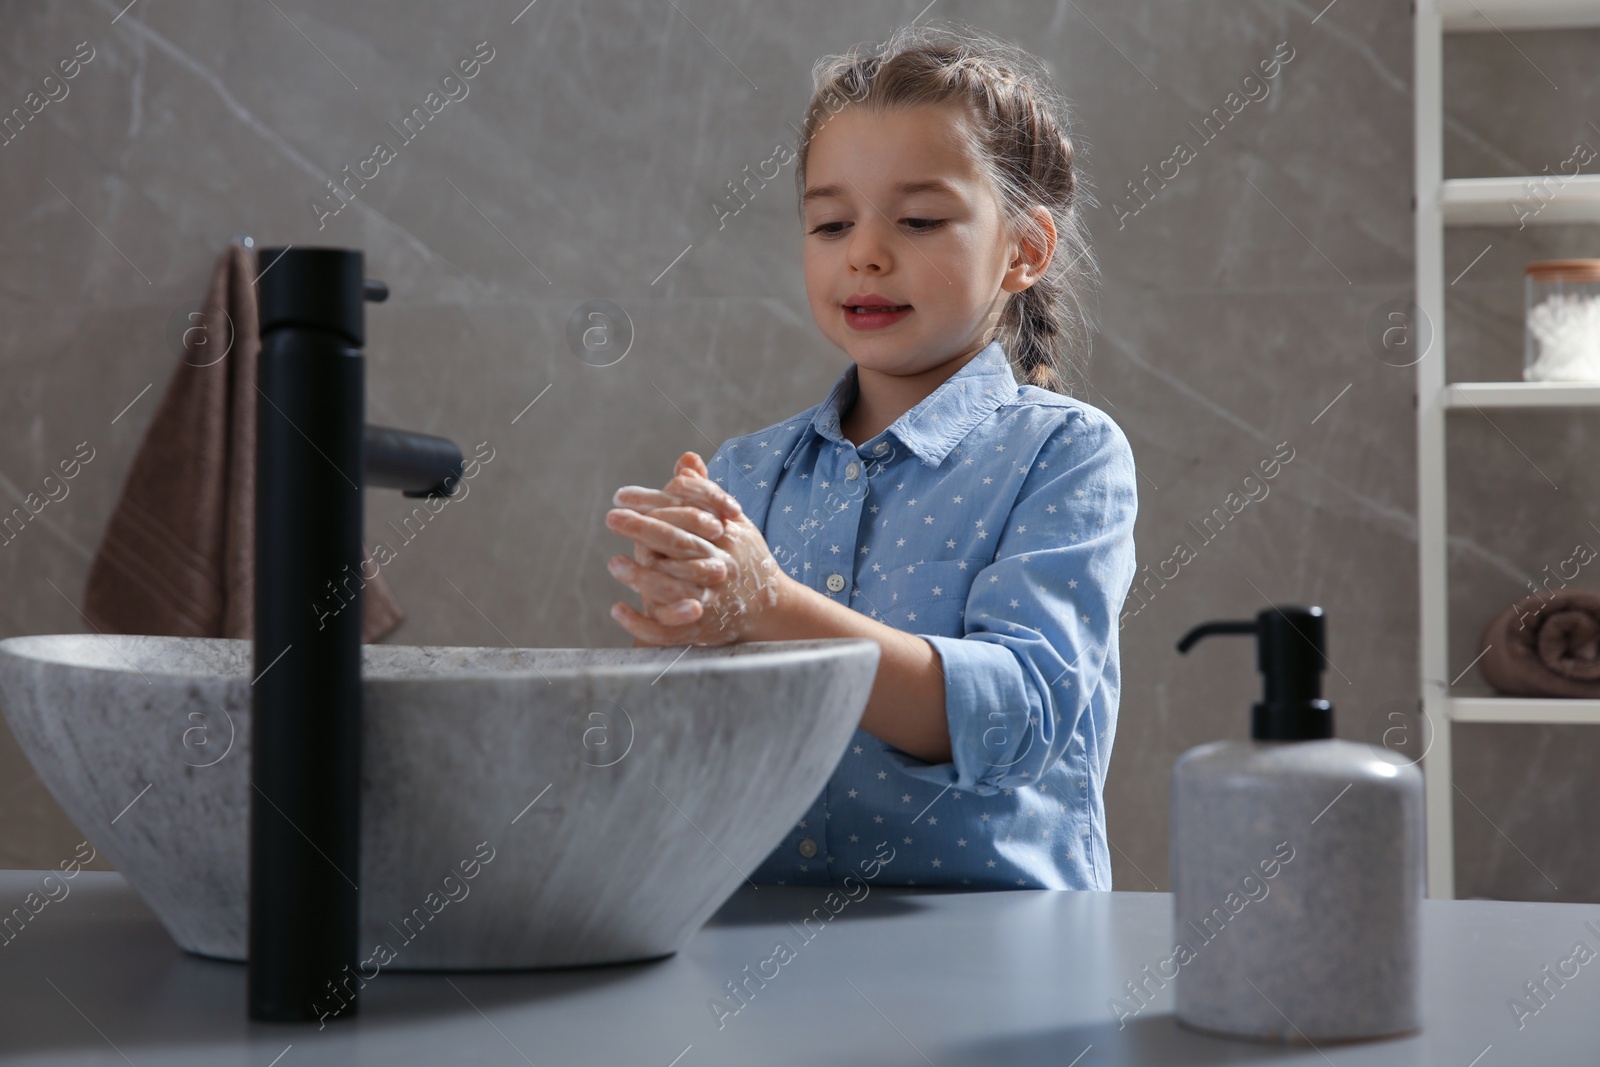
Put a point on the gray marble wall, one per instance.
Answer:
(583, 165)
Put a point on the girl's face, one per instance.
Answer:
(895, 208)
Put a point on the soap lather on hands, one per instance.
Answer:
(701, 567)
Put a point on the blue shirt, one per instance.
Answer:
(994, 520)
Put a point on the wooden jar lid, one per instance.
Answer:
(1564, 270)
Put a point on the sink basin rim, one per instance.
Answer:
(36, 648)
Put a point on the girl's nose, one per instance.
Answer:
(870, 246)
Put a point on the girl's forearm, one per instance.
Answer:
(906, 708)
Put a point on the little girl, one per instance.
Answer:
(948, 499)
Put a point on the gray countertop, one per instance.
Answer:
(899, 976)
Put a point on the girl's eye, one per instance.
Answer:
(915, 225)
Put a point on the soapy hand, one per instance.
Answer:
(670, 587)
(702, 568)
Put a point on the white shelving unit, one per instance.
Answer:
(1487, 201)
(1471, 202)
(1492, 16)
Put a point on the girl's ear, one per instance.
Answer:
(1035, 248)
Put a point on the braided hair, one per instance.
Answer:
(1018, 136)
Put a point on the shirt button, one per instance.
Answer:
(880, 448)
(835, 582)
(851, 471)
(808, 848)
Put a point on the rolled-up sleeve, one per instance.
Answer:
(1041, 619)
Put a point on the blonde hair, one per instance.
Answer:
(1018, 135)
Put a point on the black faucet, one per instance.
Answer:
(314, 454)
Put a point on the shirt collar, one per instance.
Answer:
(943, 418)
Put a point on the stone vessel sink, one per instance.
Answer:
(520, 807)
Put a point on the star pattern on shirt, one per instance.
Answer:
(922, 517)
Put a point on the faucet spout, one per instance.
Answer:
(418, 464)
(314, 455)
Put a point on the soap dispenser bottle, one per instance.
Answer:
(1297, 863)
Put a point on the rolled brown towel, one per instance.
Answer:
(1545, 646)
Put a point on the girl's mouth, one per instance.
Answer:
(874, 318)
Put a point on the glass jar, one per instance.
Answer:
(1561, 339)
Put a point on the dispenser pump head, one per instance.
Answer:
(1291, 654)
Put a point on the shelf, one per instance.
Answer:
(1470, 395)
(1560, 194)
(1554, 198)
(1488, 16)
(1524, 710)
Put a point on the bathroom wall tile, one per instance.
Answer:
(1207, 386)
(527, 548)
(1519, 103)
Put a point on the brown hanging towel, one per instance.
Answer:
(178, 555)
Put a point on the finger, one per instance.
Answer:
(646, 556)
(647, 629)
(680, 613)
(653, 584)
(668, 597)
(704, 495)
(676, 614)
(664, 537)
(707, 571)
(701, 572)
(691, 461)
(693, 485)
(696, 520)
(641, 497)
(694, 488)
